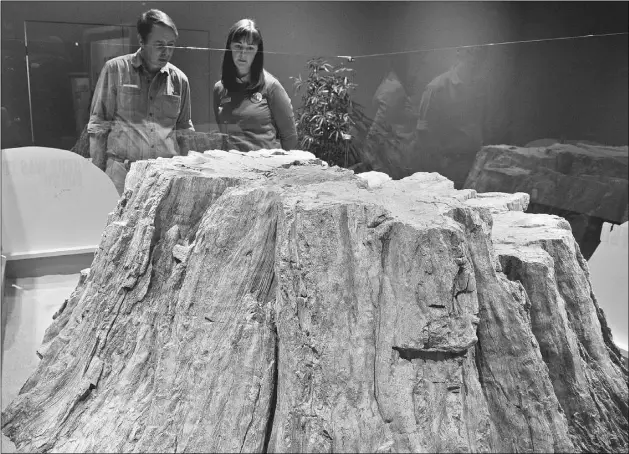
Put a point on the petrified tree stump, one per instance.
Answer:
(265, 302)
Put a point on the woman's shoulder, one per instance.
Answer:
(272, 85)
(270, 81)
(268, 77)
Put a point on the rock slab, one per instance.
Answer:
(583, 178)
(584, 183)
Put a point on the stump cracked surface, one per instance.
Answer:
(264, 302)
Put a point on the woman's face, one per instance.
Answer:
(243, 55)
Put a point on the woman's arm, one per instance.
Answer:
(282, 112)
(216, 100)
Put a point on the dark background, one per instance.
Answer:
(572, 89)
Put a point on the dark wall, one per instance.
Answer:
(575, 89)
(571, 89)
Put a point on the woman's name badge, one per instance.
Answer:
(256, 97)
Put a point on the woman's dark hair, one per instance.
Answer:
(244, 29)
(152, 17)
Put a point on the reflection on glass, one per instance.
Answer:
(140, 103)
(65, 60)
(415, 111)
(449, 125)
(391, 136)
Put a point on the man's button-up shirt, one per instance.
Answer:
(134, 116)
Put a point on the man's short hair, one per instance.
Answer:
(152, 17)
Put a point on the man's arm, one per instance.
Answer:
(425, 106)
(429, 121)
(216, 99)
(184, 129)
(392, 103)
(377, 126)
(102, 115)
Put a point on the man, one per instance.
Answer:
(390, 135)
(450, 125)
(141, 104)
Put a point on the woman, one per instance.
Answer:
(251, 107)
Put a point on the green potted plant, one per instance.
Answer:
(329, 123)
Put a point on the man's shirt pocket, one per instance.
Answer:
(171, 105)
(129, 101)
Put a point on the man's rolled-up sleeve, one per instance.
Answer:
(426, 103)
(184, 129)
(102, 113)
(184, 121)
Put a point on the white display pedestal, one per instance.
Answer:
(54, 202)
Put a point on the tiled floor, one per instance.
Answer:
(28, 305)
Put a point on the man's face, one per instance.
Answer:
(243, 54)
(158, 48)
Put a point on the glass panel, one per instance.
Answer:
(65, 61)
(428, 85)
(15, 106)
